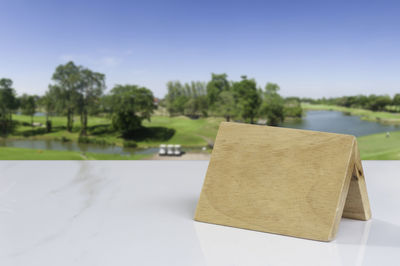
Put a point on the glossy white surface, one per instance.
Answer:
(140, 213)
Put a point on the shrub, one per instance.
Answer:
(87, 140)
(48, 126)
(65, 139)
(129, 144)
(293, 111)
(83, 139)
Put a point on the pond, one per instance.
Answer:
(329, 121)
(338, 122)
(73, 146)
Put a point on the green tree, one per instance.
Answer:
(292, 107)
(67, 86)
(247, 98)
(176, 98)
(130, 105)
(8, 104)
(196, 103)
(378, 102)
(48, 104)
(202, 104)
(28, 105)
(361, 101)
(272, 88)
(215, 86)
(191, 107)
(226, 105)
(105, 104)
(396, 99)
(90, 92)
(273, 105)
(186, 99)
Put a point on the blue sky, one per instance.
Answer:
(310, 48)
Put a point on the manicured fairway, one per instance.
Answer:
(380, 147)
(376, 146)
(162, 129)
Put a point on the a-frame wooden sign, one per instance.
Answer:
(284, 181)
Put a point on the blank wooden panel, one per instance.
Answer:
(284, 181)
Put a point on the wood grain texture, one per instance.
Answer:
(284, 181)
(357, 203)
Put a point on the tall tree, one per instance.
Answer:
(292, 107)
(196, 103)
(28, 105)
(272, 88)
(396, 99)
(226, 105)
(67, 86)
(92, 88)
(273, 105)
(176, 98)
(215, 86)
(8, 104)
(130, 105)
(186, 99)
(247, 98)
(48, 103)
(378, 102)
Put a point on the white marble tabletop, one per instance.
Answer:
(140, 213)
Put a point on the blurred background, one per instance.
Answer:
(123, 80)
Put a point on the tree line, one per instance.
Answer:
(78, 91)
(371, 102)
(240, 100)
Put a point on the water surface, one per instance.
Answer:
(329, 121)
(73, 146)
(338, 122)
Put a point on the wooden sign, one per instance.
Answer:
(284, 181)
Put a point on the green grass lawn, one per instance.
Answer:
(7, 153)
(182, 130)
(379, 147)
(161, 129)
(376, 146)
(383, 117)
(178, 130)
(188, 132)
